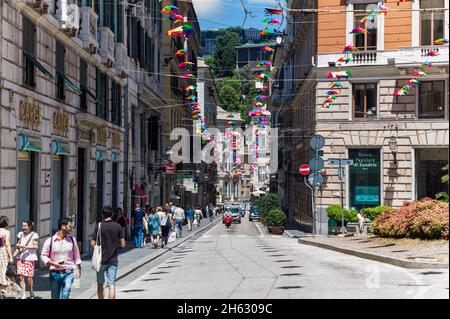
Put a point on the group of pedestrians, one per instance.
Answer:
(61, 255)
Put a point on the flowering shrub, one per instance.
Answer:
(426, 218)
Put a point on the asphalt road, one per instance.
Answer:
(244, 262)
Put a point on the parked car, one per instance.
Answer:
(254, 213)
(235, 213)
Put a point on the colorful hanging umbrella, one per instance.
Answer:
(185, 65)
(267, 49)
(170, 9)
(349, 48)
(271, 21)
(270, 11)
(433, 53)
(441, 41)
(266, 32)
(190, 88)
(182, 52)
(177, 32)
(188, 76)
(345, 60)
(358, 30)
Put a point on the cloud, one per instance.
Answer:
(205, 8)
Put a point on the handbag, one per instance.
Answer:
(172, 237)
(97, 254)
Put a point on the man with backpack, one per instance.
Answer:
(110, 238)
(61, 255)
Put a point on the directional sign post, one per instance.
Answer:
(342, 162)
(315, 180)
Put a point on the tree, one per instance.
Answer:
(226, 53)
(229, 96)
(211, 62)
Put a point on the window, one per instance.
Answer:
(116, 109)
(60, 52)
(102, 85)
(367, 41)
(432, 99)
(262, 177)
(83, 85)
(365, 176)
(431, 22)
(29, 48)
(364, 100)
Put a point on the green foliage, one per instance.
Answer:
(267, 203)
(229, 98)
(443, 196)
(373, 212)
(275, 217)
(211, 62)
(335, 212)
(226, 53)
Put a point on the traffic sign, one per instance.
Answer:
(305, 169)
(334, 161)
(315, 179)
(317, 142)
(347, 162)
(341, 173)
(316, 163)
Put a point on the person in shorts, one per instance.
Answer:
(111, 239)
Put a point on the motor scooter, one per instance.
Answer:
(228, 220)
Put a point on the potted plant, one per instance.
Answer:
(275, 221)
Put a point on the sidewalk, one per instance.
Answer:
(130, 259)
(406, 253)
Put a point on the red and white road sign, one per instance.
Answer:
(305, 169)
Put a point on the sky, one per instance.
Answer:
(218, 14)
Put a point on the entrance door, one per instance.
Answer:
(58, 189)
(81, 195)
(26, 206)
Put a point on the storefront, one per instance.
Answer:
(364, 178)
(29, 149)
(60, 153)
(428, 170)
(100, 170)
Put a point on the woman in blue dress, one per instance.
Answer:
(154, 226)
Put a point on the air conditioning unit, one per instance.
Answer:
(41, 6)
(106, 49)
(88, 32)
(68, 16)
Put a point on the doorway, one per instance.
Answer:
(81, 196)
(429, 164)
(58, 190)
(27, 188)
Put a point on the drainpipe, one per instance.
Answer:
(127, 148)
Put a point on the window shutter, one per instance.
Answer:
(59, 57)
(29, 36)
(99, 89)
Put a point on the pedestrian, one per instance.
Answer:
(7, 285)
(61, 255)
(111, 238)
(361, 221)
(121, 219)
(137, 225)
(145, 230)
(198, 216)
(190, 217)
(155, 227)
(211, 212)
(26, 252)
(166, 226)
(172, 208)
(179, 219)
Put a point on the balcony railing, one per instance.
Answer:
(405, 56)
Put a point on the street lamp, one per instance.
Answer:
(279, 39)
(394, 148)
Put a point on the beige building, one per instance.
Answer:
(398, 143)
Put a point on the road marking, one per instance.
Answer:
(260, 231)
(242, 236)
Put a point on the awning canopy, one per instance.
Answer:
(141, 193)
(37, 64)
(69, 83)
(59, 148)
(28, 144)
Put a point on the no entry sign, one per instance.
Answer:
(305, 169)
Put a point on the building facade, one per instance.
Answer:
(74, 77)
(398, 143)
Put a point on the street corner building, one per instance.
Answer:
(80, 86)
(378, 96)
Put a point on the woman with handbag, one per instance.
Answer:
(26, 254)
(7, 286)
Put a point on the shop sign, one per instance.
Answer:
(115, 139)
(61, 122)
(30, 113)
(102, 136)
(169, 168)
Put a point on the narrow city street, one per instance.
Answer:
(246, 262)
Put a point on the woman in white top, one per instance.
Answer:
(27, 245)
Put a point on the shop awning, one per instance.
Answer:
(114, 157)
(100, 155)
(69, 83)
(59, 148)
(141, 192)
(37, 64)
(28, 144)
(89, 92)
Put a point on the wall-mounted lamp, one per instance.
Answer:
(394, 148)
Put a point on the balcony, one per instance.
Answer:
(68, 18)
(41, 6)
(403, 57)
(106, 50)
(88, 32)
(121, 64)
